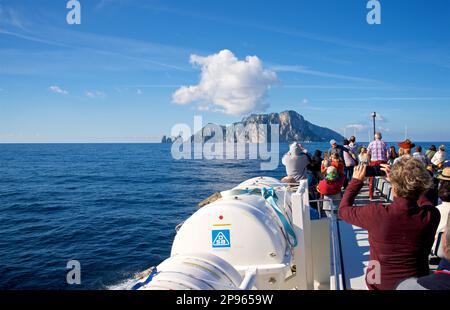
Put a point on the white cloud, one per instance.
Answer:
(357, 127)
(95, 94)
(139, 92)
(58, 90)
(231, 86)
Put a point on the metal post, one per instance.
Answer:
(249, 279)
(374, 116)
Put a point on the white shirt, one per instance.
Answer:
(421, 157)
(444, 209)
(438, 158)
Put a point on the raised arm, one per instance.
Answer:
(360, 216)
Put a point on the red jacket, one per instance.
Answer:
(330, 188)
(400, 234)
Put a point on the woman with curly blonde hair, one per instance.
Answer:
(401, 234)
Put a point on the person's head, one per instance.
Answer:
(433, 148)
(444, 191)
(363, 150)
(392, 152)
(407, 145)
(326, 156)
(407, 151)
(335, 157)
(442, 148)
(352, 139)
(346, 142)
(333, 144)
(295, 149)
(378, 136)
(318, 153)
(418, 149)
(332, 174)
(410, 178)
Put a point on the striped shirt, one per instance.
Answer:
(377, 150)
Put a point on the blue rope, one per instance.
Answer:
(147, 281)
(271, 197)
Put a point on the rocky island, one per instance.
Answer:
(292, 127)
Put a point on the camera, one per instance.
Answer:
(374, 171)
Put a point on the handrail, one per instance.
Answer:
(336, 253)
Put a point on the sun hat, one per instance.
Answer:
(407, 144)
(333, 142)
(445, 174)
(295, 148)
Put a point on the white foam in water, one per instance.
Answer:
(124, 285)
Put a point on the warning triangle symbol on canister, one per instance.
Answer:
(221, 240)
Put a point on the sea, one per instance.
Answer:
(111, 207)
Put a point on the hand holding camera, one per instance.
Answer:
(362, 171)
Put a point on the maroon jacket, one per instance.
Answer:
(400, 234)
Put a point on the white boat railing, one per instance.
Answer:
(307, 265)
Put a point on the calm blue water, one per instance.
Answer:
(113, 207)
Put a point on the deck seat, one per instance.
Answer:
(380, 185)
(386, 190)
(391, 195)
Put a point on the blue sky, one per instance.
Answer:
(113, 78)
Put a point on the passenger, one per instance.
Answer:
(400, 234)
(392, 155)
(332, 184)
(326, 162)
(362, 157)
(444, 195)
(440, 279)
(353, 146)
(336, 148)
(350, 161)
(377, 153)
(352, 140)
(443, 192)
(430, 152)
(296, 162)
(406, 147)
(338, 163)
(418, 154)
(439, 157)
(330, 189)
(315, 165)
(433, 193)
